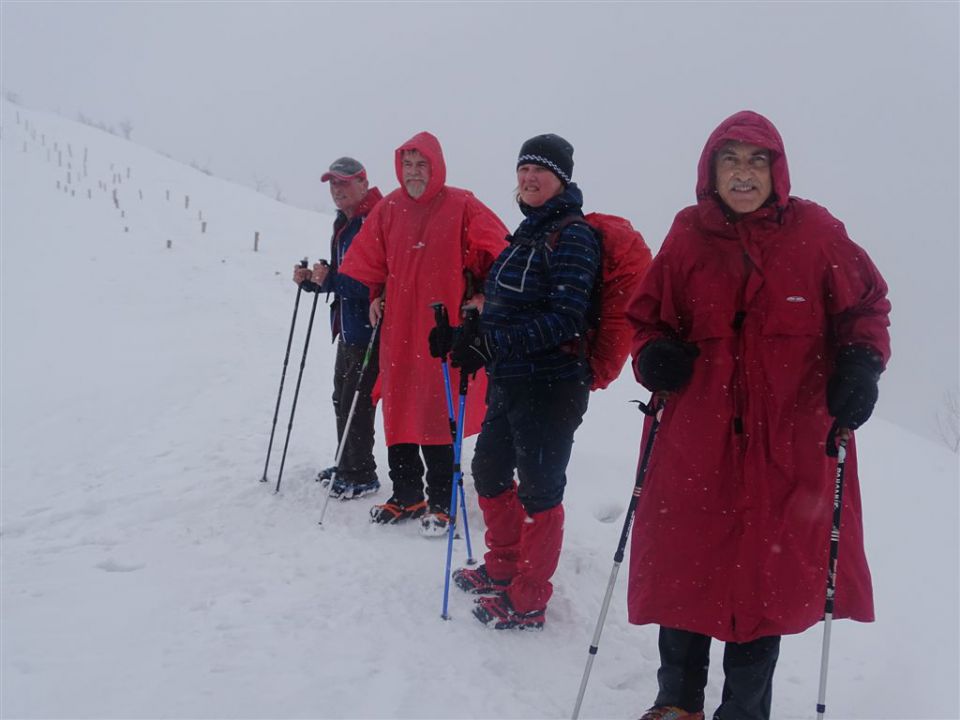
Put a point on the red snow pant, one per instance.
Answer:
(529, 428)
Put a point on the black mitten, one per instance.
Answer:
(852, 389)
(666, 364)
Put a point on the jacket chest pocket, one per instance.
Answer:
(708, 324)
(793, 315)
(520, 274)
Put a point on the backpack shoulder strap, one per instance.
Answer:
(563, 223)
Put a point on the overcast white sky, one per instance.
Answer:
(865, 95)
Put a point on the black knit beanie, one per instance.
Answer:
(549, 151)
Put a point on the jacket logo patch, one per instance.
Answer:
(796, 298)
(419, 245)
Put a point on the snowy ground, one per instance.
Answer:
(147, 573)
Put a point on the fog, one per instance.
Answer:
(268, 94)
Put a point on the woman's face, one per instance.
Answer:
(536, 185)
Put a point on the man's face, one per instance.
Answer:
(536, 184)
(347, 192)
(743, 176)
(416, 173)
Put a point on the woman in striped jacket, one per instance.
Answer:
(537, 299)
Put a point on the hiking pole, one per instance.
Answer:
(456, 431)
(841, 455)
(283, 375)
(442, 320)
(471, 320)
(346, 427)
(656, 413)
(315, 289)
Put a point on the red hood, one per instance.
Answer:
(372, 197)
(428, 146)
(750, 127)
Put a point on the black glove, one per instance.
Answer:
(852, 389)
(666, 364)
(471, 348)
(441, 340)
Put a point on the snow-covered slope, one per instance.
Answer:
(147, 573)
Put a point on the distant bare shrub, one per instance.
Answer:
(948, 420)
(202, 168)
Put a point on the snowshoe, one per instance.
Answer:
(435, 523)
(498, 613)
(394, 511)
(478, 581)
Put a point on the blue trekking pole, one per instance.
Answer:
(456, 431)
(472, 319)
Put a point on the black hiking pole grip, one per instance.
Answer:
(283, 375)
(296, 392)
(656, 413)
(841, 455)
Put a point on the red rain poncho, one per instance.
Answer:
(417, 250)
(733, 523)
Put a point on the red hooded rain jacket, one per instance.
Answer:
(733, 523)
(418, 249)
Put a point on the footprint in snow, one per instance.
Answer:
(114, 566)
(607, 512)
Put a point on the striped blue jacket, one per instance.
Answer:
(538, 294)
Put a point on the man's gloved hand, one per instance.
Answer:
(666, 364)
(301, 274)
(852, 389)
(441, 340)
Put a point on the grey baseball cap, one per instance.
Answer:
(343, 169)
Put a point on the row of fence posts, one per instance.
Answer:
(117, 179)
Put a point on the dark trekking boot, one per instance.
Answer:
(670, 712)
(323, 477)
(357, 490)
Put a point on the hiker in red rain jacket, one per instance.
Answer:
(761, 326)
(423, 243)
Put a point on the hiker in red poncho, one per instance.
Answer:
(761, 325)
(423, 243)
